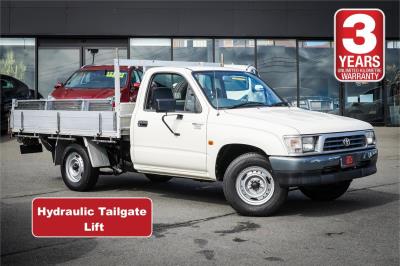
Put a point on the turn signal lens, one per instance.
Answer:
(293, 144)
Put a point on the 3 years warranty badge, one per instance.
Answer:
(359, 45)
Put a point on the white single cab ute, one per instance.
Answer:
(204, 122)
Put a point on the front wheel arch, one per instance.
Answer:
(230, 152)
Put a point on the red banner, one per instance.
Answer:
(92, 217)
(359, 45)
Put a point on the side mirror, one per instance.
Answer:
(165, 105)
(258, 87)
(136, 85)
(59, 84)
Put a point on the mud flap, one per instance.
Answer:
(97, 154)
(34, 148)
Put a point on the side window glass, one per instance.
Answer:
(179, 91)
(7, 84)
(135, 77)
(168, 86)
(192, 104)
(160, 87)
(140, 74)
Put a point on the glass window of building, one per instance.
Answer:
(56, 65)
(363, 100)
(276, 63)
(150, 48)
(319, 89)
(103, 56)
(17, 60)
(392, 82)
(195, 50)
(235, 51)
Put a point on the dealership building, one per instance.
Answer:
(290, 43)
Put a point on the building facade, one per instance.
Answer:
(290, 43)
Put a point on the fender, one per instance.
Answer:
(271, 144)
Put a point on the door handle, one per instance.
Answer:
(142, 123)
(197, 125)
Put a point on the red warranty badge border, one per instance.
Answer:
(383, 43)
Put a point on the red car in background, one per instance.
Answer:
(97, 82)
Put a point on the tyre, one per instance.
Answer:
(326, 192)
(158, 178)
(250, 187)
(76, 169)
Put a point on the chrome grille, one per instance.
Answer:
(338, 143)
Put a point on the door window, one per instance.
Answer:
(173, 86)
(136, 77)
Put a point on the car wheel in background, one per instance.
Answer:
(326, 192)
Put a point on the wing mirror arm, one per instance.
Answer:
(178, 116)
(135, 86)
(59, 84)
(168, 105)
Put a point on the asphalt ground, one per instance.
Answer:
(194, 225)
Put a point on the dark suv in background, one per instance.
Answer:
(12, 88)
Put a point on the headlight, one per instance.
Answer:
(308, 144)
(370, 135)
(50, 97)
(298, 145)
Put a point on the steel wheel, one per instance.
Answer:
(74, 167)
(255, 185)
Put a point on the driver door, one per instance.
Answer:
(156, 148)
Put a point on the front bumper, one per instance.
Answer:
(322, 169)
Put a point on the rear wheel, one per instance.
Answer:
(250, 187)
(76, 169)
(326, 192)
(158, 178)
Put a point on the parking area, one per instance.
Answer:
(194, 225)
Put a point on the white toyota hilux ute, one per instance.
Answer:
(206, 123)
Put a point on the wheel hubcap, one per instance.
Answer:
(74, 167)
(255, 185)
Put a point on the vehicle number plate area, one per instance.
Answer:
(347, 161)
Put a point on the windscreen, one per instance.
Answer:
(231, 89)
(95, 79)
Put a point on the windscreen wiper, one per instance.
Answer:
(279, 104)
(245, 104)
